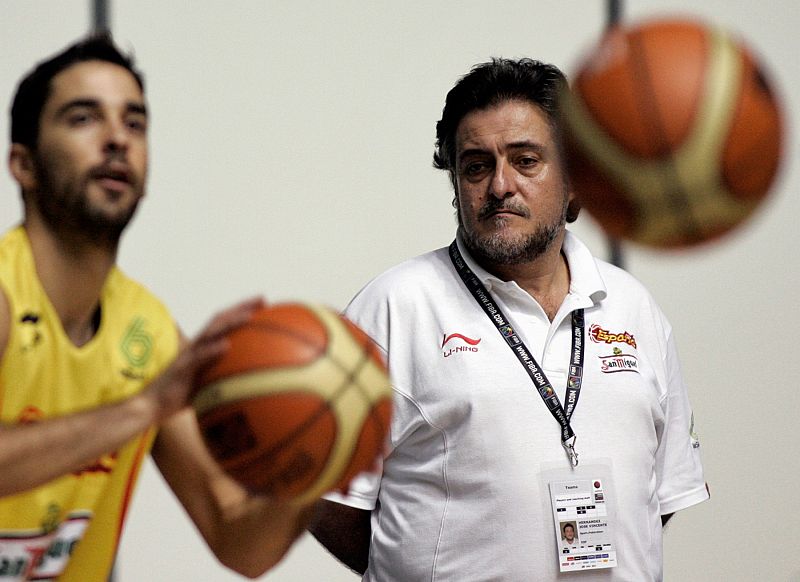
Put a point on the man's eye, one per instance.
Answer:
(527, 161)
(137, 125)
(475, 168)
(79, 118)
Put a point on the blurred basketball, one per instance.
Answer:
(298, 405)
(673, 134)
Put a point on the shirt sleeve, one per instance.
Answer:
(362, 493)
(678, 465)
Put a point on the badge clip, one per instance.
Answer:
(569, 446)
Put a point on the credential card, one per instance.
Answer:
(584, 532)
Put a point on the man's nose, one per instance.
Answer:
(117, 137)
(502, 184)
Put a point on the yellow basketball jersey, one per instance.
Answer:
(69, 529)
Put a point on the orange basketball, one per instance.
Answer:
(673, 134)
(298, 405)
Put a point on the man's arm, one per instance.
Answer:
(32, 454)
(247, 533)
(344, 531)
(35, 453)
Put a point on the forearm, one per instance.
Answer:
(248, 534)
(34, 453)
(257, 535)
(344, 531)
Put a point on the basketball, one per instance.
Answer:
(672, 131)
(298, 405)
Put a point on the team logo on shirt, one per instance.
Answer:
(603, 336)
(42, 554)
(136, 347)
(458, 343)
(618, 362)
(31, 335)
(693, 435)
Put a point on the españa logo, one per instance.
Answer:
(600, 335)
(471, 344)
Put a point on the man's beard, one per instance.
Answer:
(67, 210)
(498, 249)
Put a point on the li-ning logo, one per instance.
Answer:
(471, 344)
(600, 335)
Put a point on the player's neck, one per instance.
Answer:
(545, 278)
(72, 278)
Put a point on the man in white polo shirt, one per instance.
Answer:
(534, 384)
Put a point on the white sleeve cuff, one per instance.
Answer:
(685, 500)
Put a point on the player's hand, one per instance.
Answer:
(171, 390)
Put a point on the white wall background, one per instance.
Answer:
(291, 146)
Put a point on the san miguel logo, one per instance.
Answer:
(618, 362)
(603, 336)
(458, 343)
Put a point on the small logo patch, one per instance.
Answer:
(446, 338)
(137, 343)
(618, 363)
(461, 343)
(31, 334)
(693, 435)
(603, 336)
(136, 347)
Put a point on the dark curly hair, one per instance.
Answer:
(494, 82)
(34, 89)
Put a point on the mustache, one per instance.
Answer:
(494, 205)
(116, 166)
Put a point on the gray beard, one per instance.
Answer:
(495, 249)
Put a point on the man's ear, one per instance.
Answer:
(20, 163)
(573, 207)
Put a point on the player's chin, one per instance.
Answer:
(114, 202)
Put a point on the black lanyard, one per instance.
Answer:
(543, 385)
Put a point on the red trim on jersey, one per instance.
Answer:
(132, 477)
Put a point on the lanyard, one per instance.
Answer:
(536, 373)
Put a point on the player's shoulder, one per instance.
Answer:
(127, 294)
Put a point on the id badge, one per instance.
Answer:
(583, 519)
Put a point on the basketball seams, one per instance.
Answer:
(682, 197)
(755, 134)
(281, 328)
(336, 427)
(676, 200)
(354, 361)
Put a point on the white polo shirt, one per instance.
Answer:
(461, 497)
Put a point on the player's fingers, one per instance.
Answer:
(231, 318)
(206, 352)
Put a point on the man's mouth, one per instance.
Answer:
(502, 211)
(115, 178)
